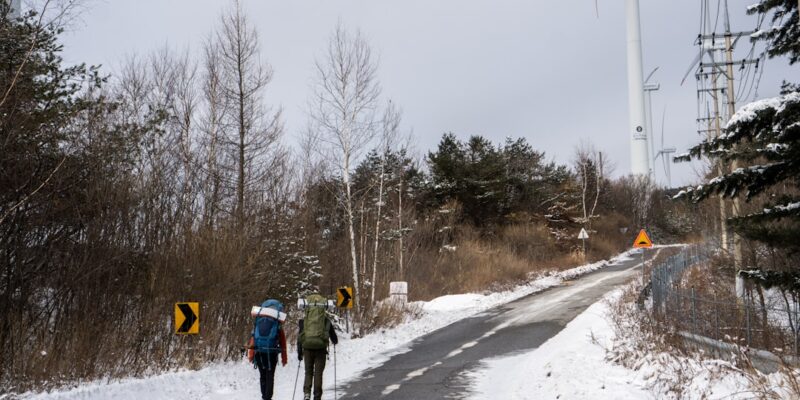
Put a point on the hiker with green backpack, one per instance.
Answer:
(315, 333)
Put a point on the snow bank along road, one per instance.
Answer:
(492, 312)
(437, 364)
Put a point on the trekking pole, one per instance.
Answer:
(296, 378)
(335, 394)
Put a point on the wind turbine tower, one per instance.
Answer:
(665, 152)
(640, 151)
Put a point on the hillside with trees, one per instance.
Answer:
(171, 179)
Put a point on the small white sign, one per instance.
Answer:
(583, 234)
(398, 291)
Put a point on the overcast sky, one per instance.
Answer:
(549, 71)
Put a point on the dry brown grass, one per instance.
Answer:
(479, 266)
(388, 314)
(476, 264)
(606, 239)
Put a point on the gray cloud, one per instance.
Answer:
(550, 71)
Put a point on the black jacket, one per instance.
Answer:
(331, 336)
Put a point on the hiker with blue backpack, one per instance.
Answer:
(315, 333)
(266, 342)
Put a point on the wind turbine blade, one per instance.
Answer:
(692, 66)
(661, 152)
(739, 36)
(651, 75)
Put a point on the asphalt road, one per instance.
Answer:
(435, 365)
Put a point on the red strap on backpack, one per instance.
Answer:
(251, 349)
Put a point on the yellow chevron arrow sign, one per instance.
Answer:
(187, 318)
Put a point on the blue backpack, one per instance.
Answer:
(265, 331)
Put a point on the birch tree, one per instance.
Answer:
(590, 169)
(389, 127)
(401, 174)
(342, 109)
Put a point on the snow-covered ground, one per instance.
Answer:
(238, 380)
(571, 365)
(574, 365)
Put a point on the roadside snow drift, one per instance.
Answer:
(239, 380)
(571, 365)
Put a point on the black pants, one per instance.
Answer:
(267, 363)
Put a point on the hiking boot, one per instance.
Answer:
(307, 396)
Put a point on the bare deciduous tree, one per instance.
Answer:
(591, 170)
(390, 124)
(212, 125)
(342, 109)
(244, 78)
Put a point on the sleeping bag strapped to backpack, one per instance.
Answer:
(265, 331)
(316, 323)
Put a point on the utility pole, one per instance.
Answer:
(640, 162)
(713, 118)
(737, 239)
(715, 45)
(723, 212)
(721, 47)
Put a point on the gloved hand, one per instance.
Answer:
(284, 359)
(299, 356)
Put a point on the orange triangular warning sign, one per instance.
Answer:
(642, 241)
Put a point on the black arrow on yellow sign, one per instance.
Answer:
(345, 297)
(187, 318)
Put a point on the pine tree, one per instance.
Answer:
(492, 182)
(784, 36)
(764, 136)
(63, 161)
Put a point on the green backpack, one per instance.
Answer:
(316, 324)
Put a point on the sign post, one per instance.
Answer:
(583, 236)
(344, 299)
(642, 242)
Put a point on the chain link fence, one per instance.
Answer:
(768, 322)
